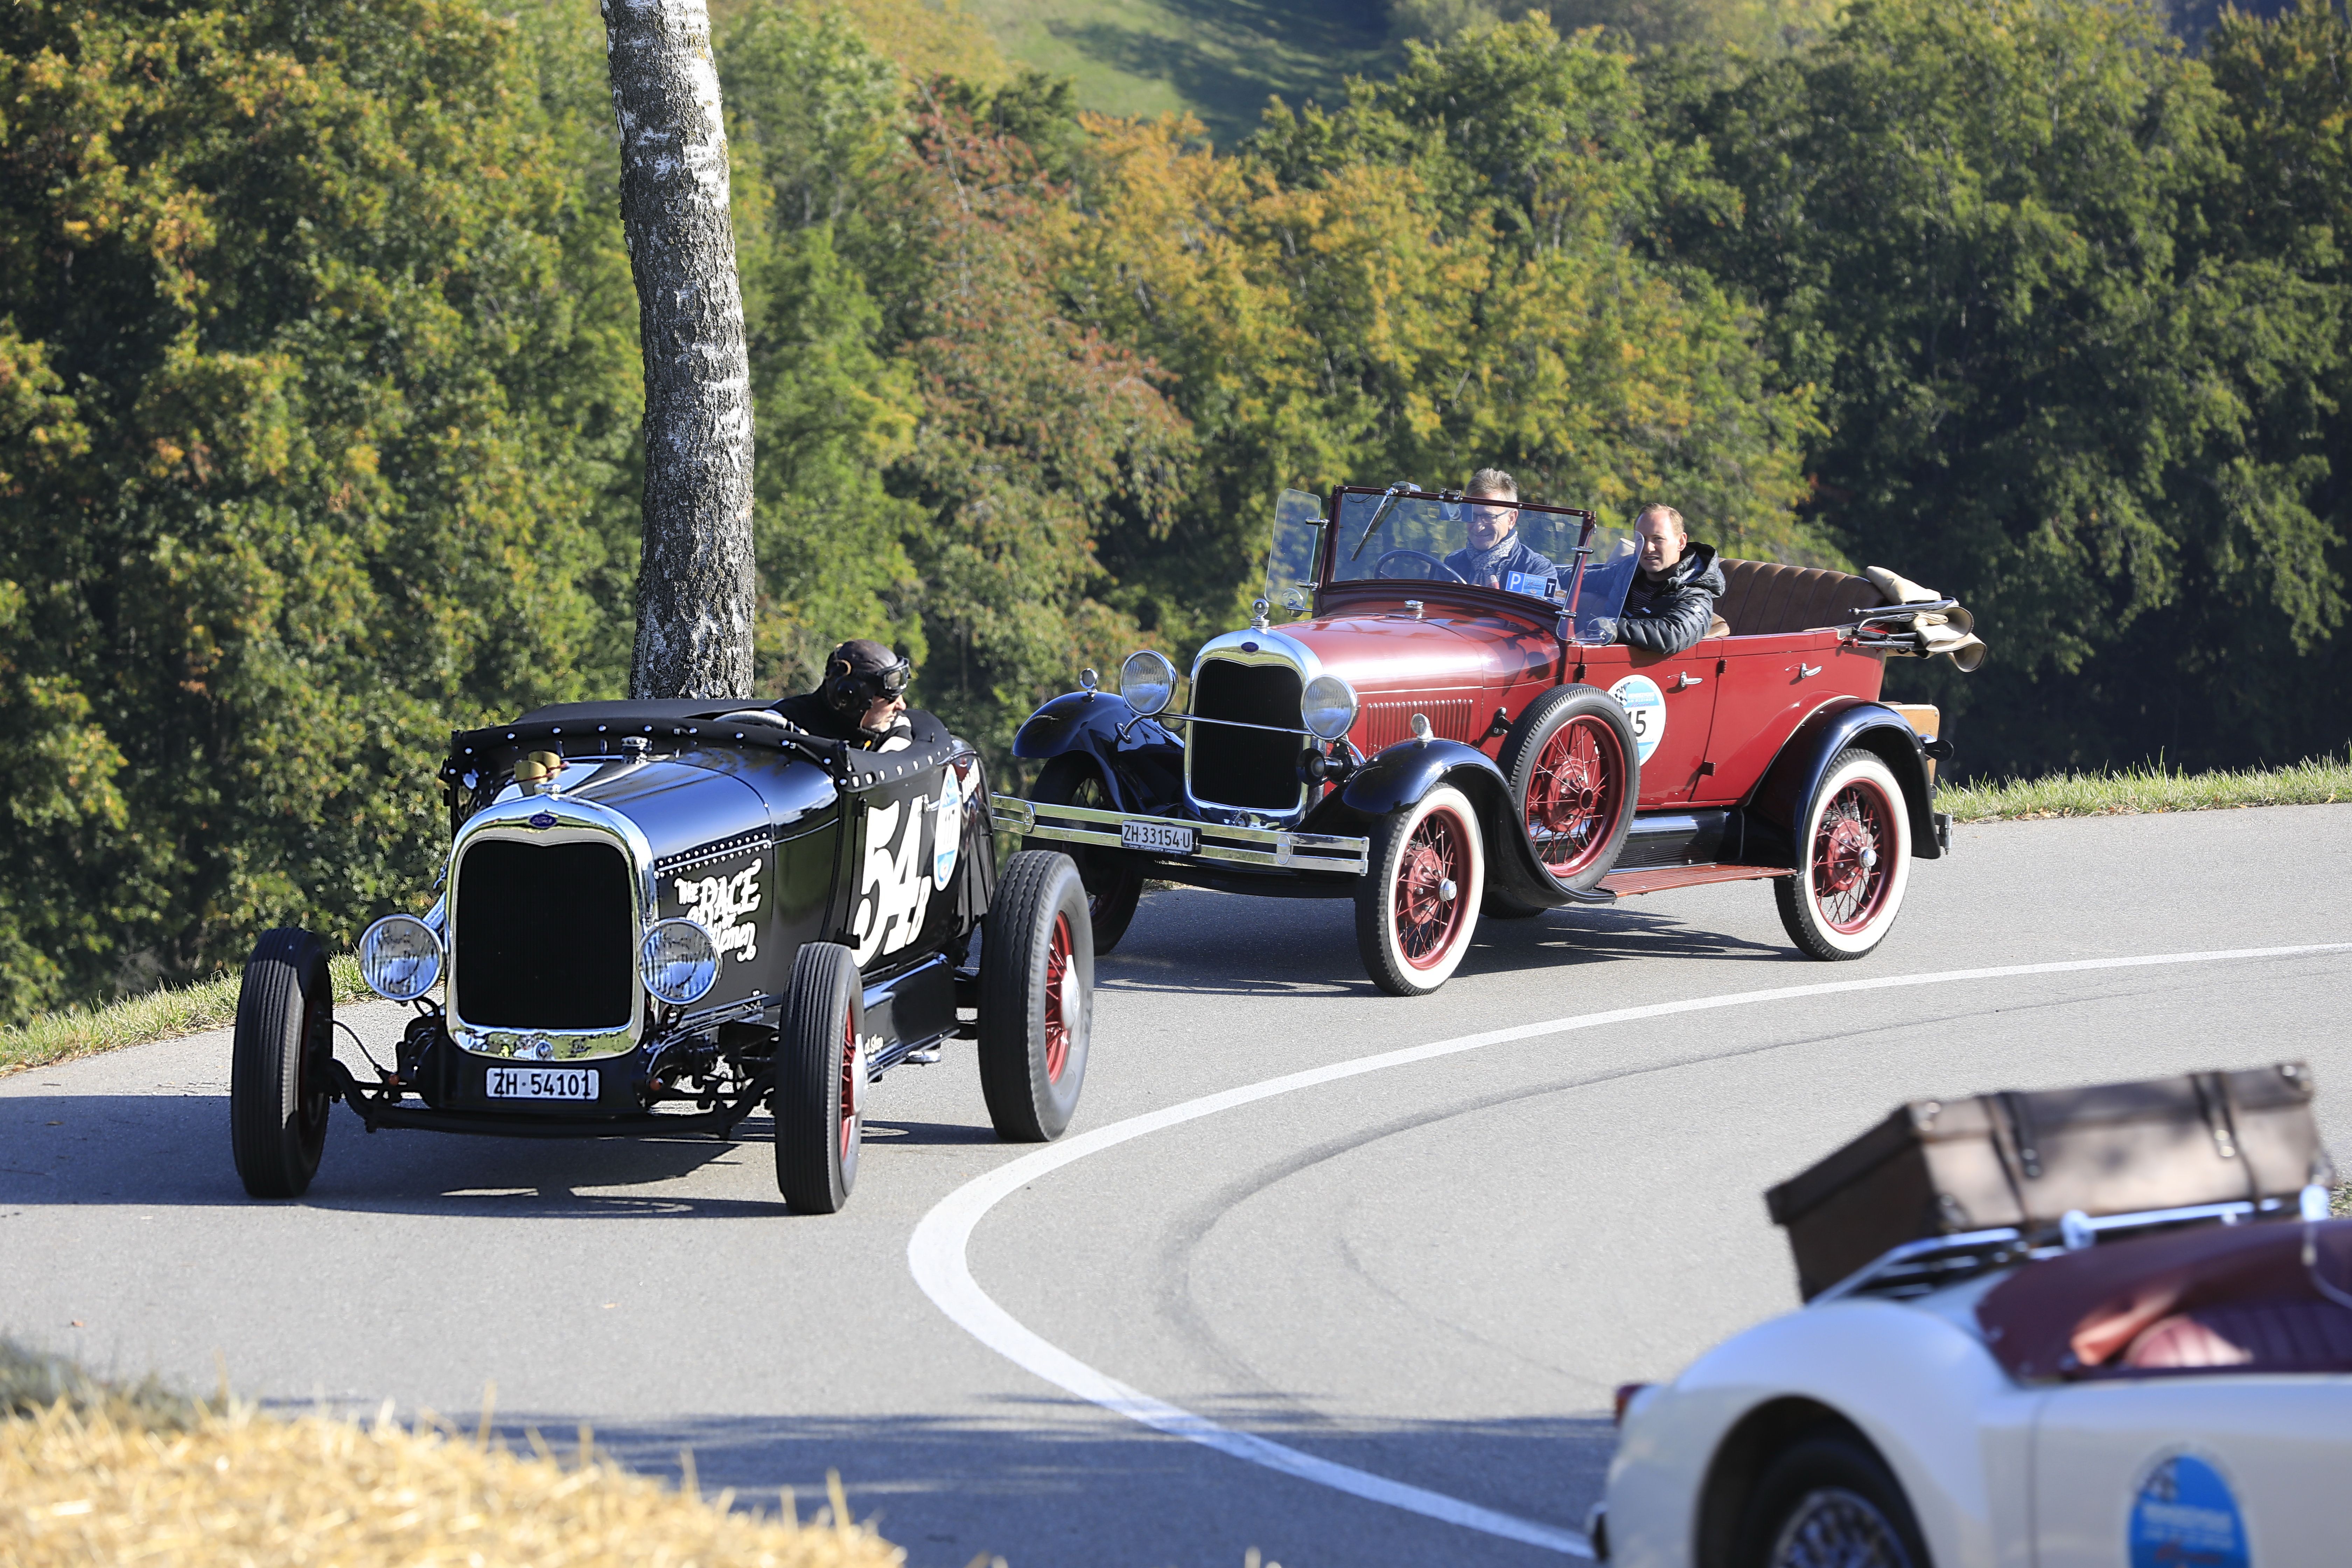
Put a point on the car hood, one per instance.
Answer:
(1394, 652)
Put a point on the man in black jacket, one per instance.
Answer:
(1673, 597)
(862, 700)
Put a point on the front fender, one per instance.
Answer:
(1796, 774)
(1143, 763)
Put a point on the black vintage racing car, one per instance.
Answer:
(656, 917)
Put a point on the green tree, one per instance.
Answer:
(305, 443)
(1995, 234)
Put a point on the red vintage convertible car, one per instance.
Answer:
(1434, 749)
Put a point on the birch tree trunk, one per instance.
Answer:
(695, 583)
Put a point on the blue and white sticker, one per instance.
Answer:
(947, 831)
(1647, 706)
(2185, 1516)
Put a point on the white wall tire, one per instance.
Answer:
(1854, 860)
(1417, 906)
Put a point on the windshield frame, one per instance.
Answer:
(1398, 590)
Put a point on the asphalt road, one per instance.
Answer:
(1433, 1273)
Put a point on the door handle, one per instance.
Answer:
(1807, 671)
(1688, 679)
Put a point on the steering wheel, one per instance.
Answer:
(1379, 567)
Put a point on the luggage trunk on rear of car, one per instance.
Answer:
(2026, 1160)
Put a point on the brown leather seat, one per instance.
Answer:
(1762, 597)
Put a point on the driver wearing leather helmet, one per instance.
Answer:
(861, 700)
(1495, 556)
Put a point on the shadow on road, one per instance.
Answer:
(950, 1489)
(1185, 940)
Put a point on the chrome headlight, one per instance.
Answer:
(1147, 681)
(400, 958)
(677, 960)
(1328, 707)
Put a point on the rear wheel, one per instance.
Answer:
(1114, 881)
(821, 1080)
(1856, 849)
(1574, 777)
(1036, 981)
(1829, 1503)
(1417, 905)
(278, 1100)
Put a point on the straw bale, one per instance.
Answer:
(83, 1484)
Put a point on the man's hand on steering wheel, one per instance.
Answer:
(1379, 567)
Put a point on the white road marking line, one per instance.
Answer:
(936, 1252)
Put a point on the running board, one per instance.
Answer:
(1627, 884)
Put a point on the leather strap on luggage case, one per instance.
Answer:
(2221, 1119)
(2013, 1143)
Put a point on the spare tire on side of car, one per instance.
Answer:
(1575, 774)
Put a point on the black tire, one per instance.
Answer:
(1114, 881)
(1575, 807)
(1828, 1499)
(1854, 860)
(277, 1098)
(821, 1079)
(1036, 997)
(1417, 902)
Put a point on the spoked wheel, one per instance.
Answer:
(1036, 981)
(1574, 776)
(822, 1074)
(1113, 880)
(1417, 904)
(1856, 843)
(1829, 1503)
(277, 1098)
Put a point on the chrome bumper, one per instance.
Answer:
(1266, 846)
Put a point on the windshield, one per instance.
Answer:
(1608, 574)
(1489, 543)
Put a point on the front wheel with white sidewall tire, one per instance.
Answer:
(1417, 905)
(277, 1098)
(1037, 997)
(821, 1076)
(1853, 850)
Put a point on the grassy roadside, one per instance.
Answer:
(2317, 780)
(94, 1474)
(137, 1020)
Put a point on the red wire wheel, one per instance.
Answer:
(1854, 856)
(853, 1088)
(1575, 794)
(1058, 979)
(1431, 879)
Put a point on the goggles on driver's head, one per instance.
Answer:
(891, 682)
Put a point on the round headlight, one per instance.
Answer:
(1328, 706)
(400, 958)
(677, 960)
(1147, 681)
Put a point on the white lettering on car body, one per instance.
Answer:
(724, 906)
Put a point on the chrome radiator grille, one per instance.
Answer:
(546, 938)
(1252, 769)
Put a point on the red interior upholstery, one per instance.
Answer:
(1762, 597)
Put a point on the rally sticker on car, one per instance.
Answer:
(2184, 1513)
(726, 904)
(1647, 706)
(947, 831)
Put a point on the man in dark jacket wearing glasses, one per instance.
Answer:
(862, 699)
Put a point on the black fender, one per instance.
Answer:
(1143, 763)
(1789, 785)
(1397, 778)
